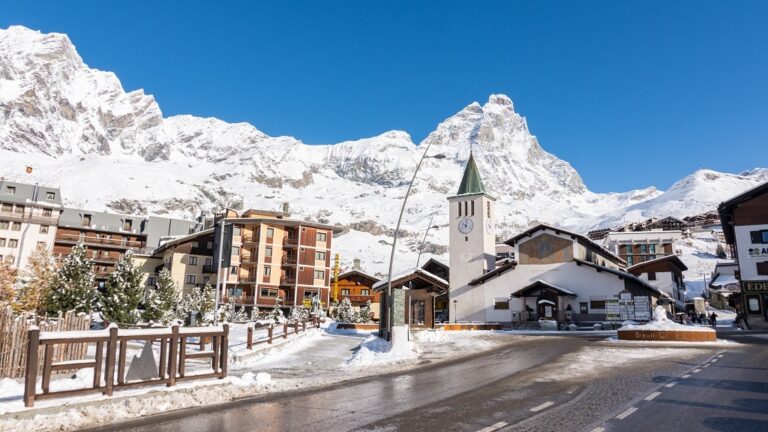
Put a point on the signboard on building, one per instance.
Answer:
(642, 308)
(750, 286)
(612, 310)
(758, 252)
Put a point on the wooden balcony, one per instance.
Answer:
(248, 280)
(250, 241)
(291, 242)
(358, 298)
(99, 241)
(242, 300)
(26, 217)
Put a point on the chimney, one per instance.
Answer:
(286, 209)
(356, 264)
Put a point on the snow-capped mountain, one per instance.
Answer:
(108, 149)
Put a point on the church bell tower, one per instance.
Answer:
(471, 244)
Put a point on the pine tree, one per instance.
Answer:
(161, 301)
(277, 312)
(73, 284)
(344, 312)
(8, 277)
(199, 302)
(120, 302)
(36, 281)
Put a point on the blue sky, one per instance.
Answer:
(632, 94)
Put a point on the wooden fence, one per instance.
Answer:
(297, 327)
(109, 367)
(14, 331)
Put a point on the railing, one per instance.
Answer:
(291, 241)
(248, 280)
(288, 261)
(249, 342)
(359, 298)
(208, 268)
(250, 240)
(172, 361)
(99, 241)
(242, 300)
(287, 281)
(26, 217)
(250, 259)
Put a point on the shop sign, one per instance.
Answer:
(758, 252)
(750, 286)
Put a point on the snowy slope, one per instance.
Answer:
(109, 149)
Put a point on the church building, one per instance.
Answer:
(556, 275)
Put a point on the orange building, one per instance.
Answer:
(357, 286)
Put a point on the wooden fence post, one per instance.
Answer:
(295, 327)
(111, 356)
(304, 325)
(249, 341)
(30, 378)
(269, 333)
(285, 331)
(225, 348)
(173, 355)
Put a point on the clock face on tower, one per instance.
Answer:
(466, 225)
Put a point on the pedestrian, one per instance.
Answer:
(713, 320)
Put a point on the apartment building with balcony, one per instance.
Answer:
(638, 246)
(188, 258)
(267, 256)
(108, 236)
(29, 214)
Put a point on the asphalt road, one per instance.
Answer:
(500, 390)
(727, 393)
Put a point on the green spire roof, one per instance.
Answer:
(471, 183)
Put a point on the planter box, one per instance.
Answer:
(469, 326)
(351, 326)
(668, 336)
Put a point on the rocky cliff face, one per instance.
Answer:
(109, 149)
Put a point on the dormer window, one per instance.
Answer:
(50, 196)
(10, 190)
(127, 225)
(86, 221)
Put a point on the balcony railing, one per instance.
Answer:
(291, 241)
(358, 298)
(208, 268)
(288, 261)
(248, 280)
(287, 280)
(26, 217)
(250, 240)
(249, 259)
(100, 241)
(242, 300)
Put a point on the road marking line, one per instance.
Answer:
(542, 406)
(686, 376)
(571, 390)
(652, 396)
(626, 413)
(670, 385)
(705, 366)
(714, 360)
(696, 370)
(598, 429)
(494, 427)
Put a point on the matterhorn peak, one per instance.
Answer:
(500, 99)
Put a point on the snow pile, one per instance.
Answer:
(376, 351)
(662, 323)
(261, 379)
(431, 337)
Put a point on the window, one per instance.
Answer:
(488, 209)
(2, 242)
(43, 229)
(206, 279)
(753, 304)
(270, 232)
(652, 248)
(466, 212)
(345, 292)
(459, 205)
(191, 279)
(19, 210)
(50, 196)
(16, 226)
(629, 259)
(4, 225)
(192, 261)
(597, 304)
(151, 281)
(208, 261)
(319, 274)
(195, 244)
(86, 221)
(583, 308)
(236, 250)
(365, 292)
(12, 243)
(209, 245)
(266, 292)
(267, 271)
(47, 212)
(10, 190)
(320, 256)
(762, 268)
(759, 236)
(308, 294)
(321, 236)
(642, 249)
(651, 275)
(501, 305)
(472, 207)
(127, 225)
(236, 230)
(233, 270)
(267, 251)
(41, 245)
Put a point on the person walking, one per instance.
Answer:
(713, 320)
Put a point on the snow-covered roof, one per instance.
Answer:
(724, 279)
(585, 240)
(539, 282)
(671, 258)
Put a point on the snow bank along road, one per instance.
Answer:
(559, 383)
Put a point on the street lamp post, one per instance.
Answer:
(390, 300)
(424, 240)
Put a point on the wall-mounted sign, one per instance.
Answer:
(755, 286)
(758, 252)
